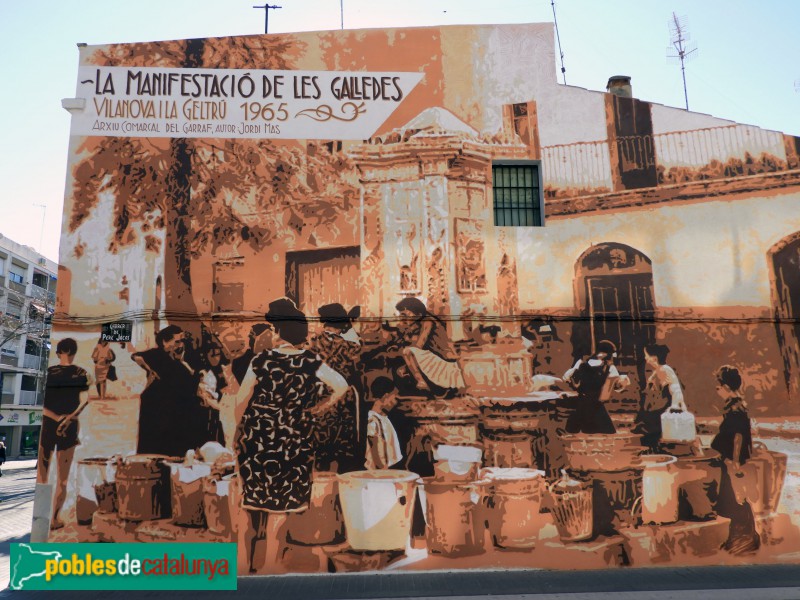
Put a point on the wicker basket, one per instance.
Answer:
(602, 451)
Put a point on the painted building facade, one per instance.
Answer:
(662, 229)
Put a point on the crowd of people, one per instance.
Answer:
(290, 404)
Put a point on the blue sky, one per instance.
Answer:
(746, 68)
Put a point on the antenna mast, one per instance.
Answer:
(41, 232)
(679, 36)
(266, 8)
(558, 38)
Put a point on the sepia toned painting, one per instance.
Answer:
(367, 348)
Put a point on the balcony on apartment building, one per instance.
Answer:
(33, 361)
(30, 398)
(8, 358)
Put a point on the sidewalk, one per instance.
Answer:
(16, 508)
(768, 582)
(723, 583)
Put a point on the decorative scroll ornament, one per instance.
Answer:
(324, 112)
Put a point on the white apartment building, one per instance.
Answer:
(27, 301)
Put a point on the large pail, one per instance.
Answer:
(322, 523)
(143, 487)
(659, 489)
(377, 507)
(513, 500)
(455, 523)
(698, 480)
(614, 498)
(771, 470)
(602, 451)
(216, 505)
(95, 485)
(187, 493)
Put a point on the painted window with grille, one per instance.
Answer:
(517, 189)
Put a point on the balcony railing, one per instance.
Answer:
(31, 361)
(5, 359)
(28, 398)
(17, 287)
(711, 153)
(700, 147)
(580, 166)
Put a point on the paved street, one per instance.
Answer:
(16, 508)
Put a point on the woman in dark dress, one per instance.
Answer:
(734, 442)
(594, 379)
(172, 416)
(662, 392)
(66, 395)
(337, 432)
(281, 395)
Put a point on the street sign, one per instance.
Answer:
(121, 331)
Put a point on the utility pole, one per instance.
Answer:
(267, 8)
(341, 11)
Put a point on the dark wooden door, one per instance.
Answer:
(633, 135)
(786, 296)
(622, 310)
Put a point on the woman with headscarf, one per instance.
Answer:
(337, 432)
(282, 393)
(430, 355)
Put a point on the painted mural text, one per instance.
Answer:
(150, 101)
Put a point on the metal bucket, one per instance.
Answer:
(513, 500)
(455, 523)
(143, 487)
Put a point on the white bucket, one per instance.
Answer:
(377, 506)
(659, 489)
(678, 426)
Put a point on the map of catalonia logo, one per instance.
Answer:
(90, 566)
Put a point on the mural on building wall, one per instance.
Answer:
(340, 363)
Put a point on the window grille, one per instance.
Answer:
(517, 195)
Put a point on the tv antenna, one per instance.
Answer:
(41, 232)
(266, 8)
(679, 36)
(558, 38)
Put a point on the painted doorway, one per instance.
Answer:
(228, 287)
(318, 277)
(784, 260)
(615, 296)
